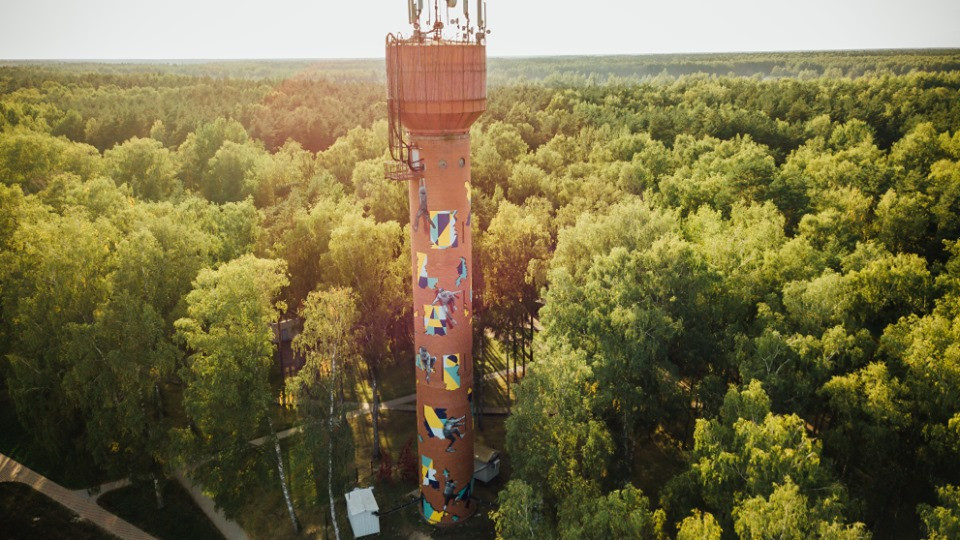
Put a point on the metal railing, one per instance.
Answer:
(398, 170)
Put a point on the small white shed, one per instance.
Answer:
(360, 508)
(486, 463)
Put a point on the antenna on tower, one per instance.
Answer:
(466, 23)
(414, 9)
(481, 20)
(436, 22)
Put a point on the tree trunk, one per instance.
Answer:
(283, 477)
(159, 398)
(532, 333)
(513, 350)
(528, 345)
(283, 371)
(333, 511)
(478, 384)
(375, 415)
(158, 491)
(506, 376)
(521, 349)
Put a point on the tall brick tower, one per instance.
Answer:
(436, 89)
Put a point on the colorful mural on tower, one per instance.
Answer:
(440, 427)
(451, 371)
(435, 321)
(428, 473)
(422, 210)
(443, 229)
(426, 362)
(425, 281)
(461, 271)
(431, 514)
(447, 300)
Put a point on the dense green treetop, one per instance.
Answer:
(749, 262)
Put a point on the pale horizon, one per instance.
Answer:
(114, 30)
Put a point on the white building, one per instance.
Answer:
(361, 506)
(486, 463)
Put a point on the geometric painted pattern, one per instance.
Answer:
(428, 473)
(461, 271)
(425, 281)
(435, 321)
(432, 514)
(434, 419)
(443, 229)
(451, 371)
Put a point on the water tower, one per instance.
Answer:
(436, 89)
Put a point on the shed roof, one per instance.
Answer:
(361, 500)
(484, 453)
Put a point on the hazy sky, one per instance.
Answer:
(172, 29)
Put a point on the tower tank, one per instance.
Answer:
(436, 89)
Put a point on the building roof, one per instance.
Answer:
(286, 330)
(484, 453)
(361, 500)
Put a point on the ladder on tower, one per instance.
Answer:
(407, 164)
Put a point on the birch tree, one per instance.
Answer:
(328, 339)
(227, 399)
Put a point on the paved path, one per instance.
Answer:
(80, 502)
(103, 489)
(231, 530)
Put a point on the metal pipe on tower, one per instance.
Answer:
(436, 89)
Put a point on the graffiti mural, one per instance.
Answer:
(449, 489)
(440, 427)
(428, 473)
(451, 371)
(447, 302)
(426, 362)
(422, 210)
(430, 513)
(465, 493)
(435, 321)
(461, 271)
(424, 280)
(443, 229)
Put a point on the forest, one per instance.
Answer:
(732, 281)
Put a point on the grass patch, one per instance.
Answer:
(179, 519)
(397, 379)
(266, 515)
(26, 514)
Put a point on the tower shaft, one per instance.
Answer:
(441, 257)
